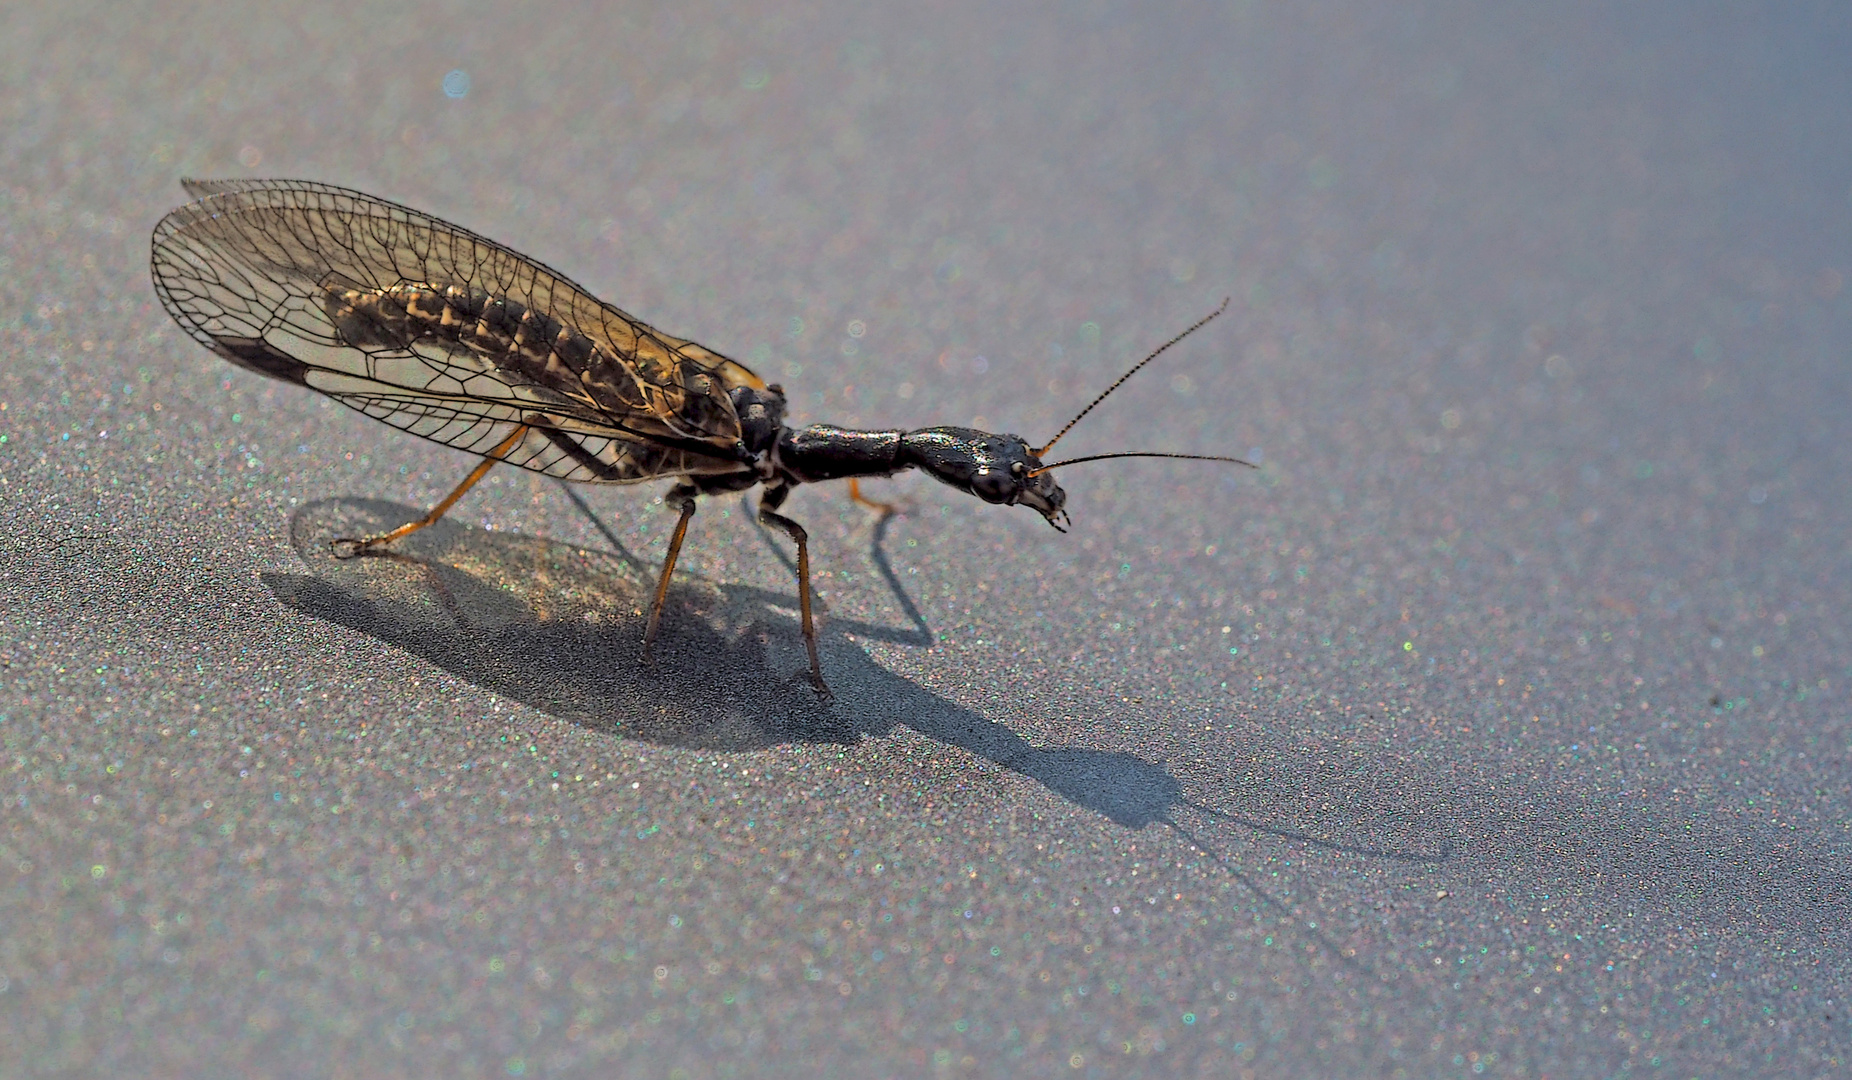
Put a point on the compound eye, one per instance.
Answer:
(991, 487)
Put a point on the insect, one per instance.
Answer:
(455, 338)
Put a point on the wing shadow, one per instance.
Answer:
(559, 628)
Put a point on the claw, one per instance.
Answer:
(824, 695)
(346, 547)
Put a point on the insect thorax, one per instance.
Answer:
(762, 421)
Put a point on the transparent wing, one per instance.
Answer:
(441, 332)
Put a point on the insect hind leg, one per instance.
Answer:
(683, 497)
(772, 498)
(346, 547)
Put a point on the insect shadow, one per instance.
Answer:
(559, 628)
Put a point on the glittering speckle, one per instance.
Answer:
(1494, 727)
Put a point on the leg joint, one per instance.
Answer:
(790, 528)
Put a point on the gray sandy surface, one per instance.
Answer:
(1495, 727)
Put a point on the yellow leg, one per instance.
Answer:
(802, 540)
(668, 567)
(347, 547)
(856, 496)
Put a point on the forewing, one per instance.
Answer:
(312, 284)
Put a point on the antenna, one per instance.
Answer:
(1143, 453)
(1159, 351)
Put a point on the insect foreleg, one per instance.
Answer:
(774, 497)
(346, 547)
(682, 496)
(856, 496)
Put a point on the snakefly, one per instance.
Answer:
(455, 338)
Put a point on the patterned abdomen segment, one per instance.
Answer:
(659, 393)
(528, 343)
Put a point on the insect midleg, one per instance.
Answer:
(356, 546)
(770, 499)
(685, 496)
(856, 496)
